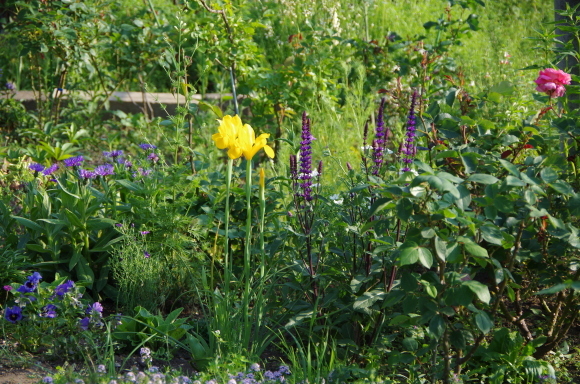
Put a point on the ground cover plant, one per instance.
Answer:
(361, 207)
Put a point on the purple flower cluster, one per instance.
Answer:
(10, 86)
(105, 169)
(50, 170)
(408, 147)
(147, 147)
(86, 174)
(113, 154)
(36, 167)
(95, 313)
(379, 145)
(269, 376)
(74, 161)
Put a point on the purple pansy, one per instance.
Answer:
(13, 314)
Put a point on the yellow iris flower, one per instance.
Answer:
(240, 139)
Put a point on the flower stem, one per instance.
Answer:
(227, 266)
(247, 255)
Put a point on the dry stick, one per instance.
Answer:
(518, 245)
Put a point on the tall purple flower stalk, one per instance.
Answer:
(380, 142)
(304, 202)
(305, 172)
(409, 147)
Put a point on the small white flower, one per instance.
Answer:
(336, 199)
(366, 148)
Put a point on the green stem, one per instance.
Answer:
(247, 255)
(227, 267)
(262, 219)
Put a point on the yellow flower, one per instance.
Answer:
(227, 135)
(250, 145)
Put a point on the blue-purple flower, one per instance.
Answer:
(63, 288)
(147, 147)
(10, 86)
(105, 170)
(36, 167)
(153, 157)
(86, 174)
(95, 309)
(13, 314)
(84, 323)
(146, 254)
(113, 154)
(49, 311)
(31, 283)
(304, 173)
(408, 147)
(50, 170)
(74, 161)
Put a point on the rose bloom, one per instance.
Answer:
(551, 81)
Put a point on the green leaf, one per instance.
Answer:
(472, 248)
(28, 223)
(404, 209)
(503, 88)
(482, 178)
(481, 290)
(483, 322)
(548, 175)
(510, 167)
(411, 252)
(379, 205)
(554, 289)
(437, 326)
(562, 187)
(130, 185)
(367, 299)
(492, 234)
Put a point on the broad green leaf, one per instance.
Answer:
(482, 178)
(437, 326)
(554, 289)
(562, 187)
(483, 322)
(510, 167)
(492, 234)
(548, 175)
(410, 344)
(481, 290)
(472, 248)
(367, 299)
(411, 253)
(404, 209)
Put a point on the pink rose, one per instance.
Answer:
(551, 81)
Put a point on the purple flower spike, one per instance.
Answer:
(13, 314)
(408, 147)
(305, 172)
(380, 142)
(50, 170)
(36, 167)
(105, 170)
(74, 161)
